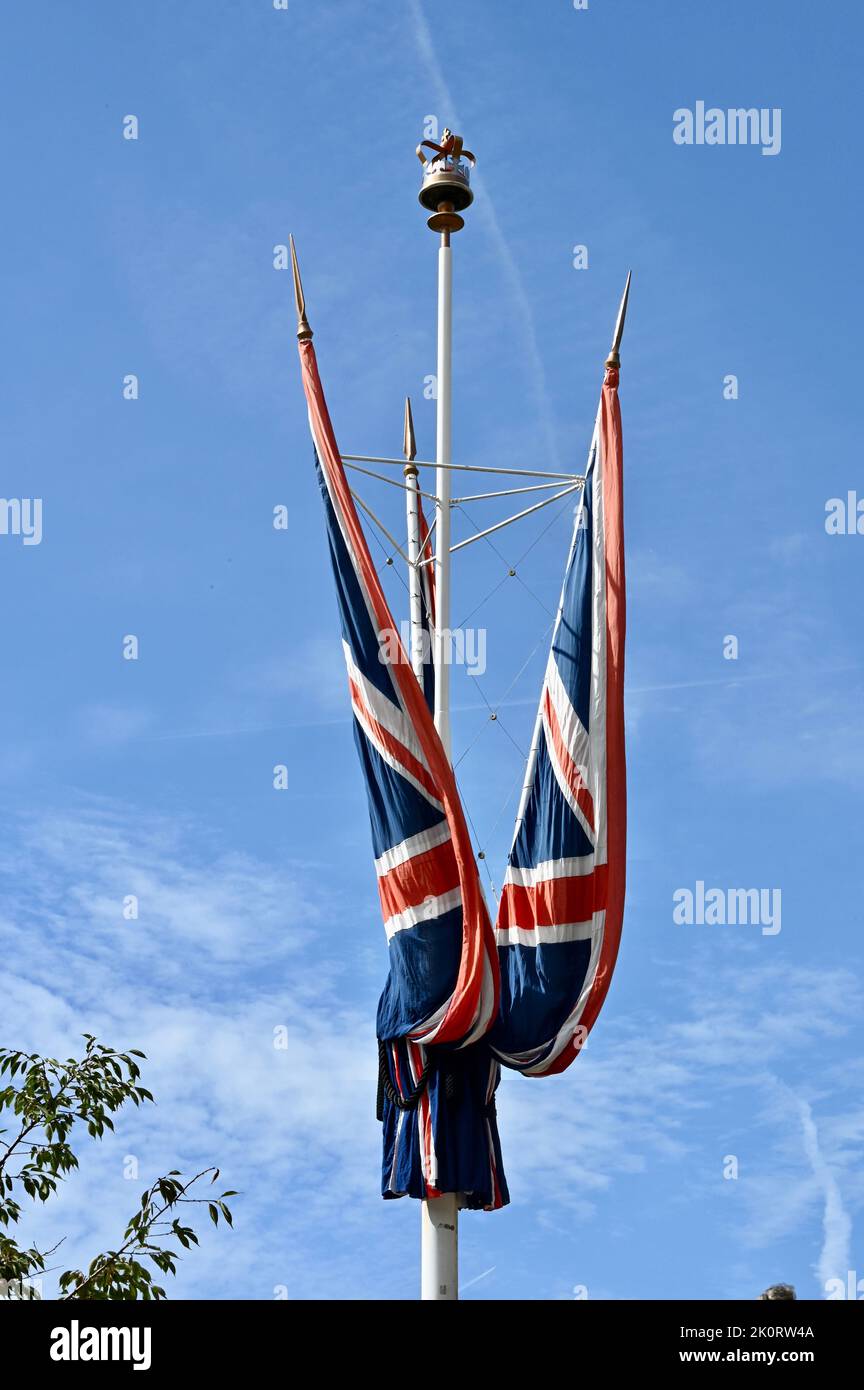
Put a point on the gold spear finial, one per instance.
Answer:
(303, 330)
(409, 444)
(614, 358)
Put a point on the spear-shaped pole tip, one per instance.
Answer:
(304, 332)
(614, 358)
(409, 444)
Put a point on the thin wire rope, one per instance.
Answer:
(505, 492)
(466, 467)
(483, 601)
(509, 797)
(481, 692)
(481, 853)
(539, 538)
(524, 556)
(390, 565)
(479, 688)
(513, 570)
(497, 720)
(369, 512)
(525, 663)
(493, 710)
(481, 534)
(545, 633)
(392, 482)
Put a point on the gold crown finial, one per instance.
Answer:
(304, 332)
(451, 147)
(614, 358)
(446, 189)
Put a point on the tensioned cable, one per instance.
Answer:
(482, 844)
(392, 482)
(389, 559)
(494, 716)
(493, 710)
(481, 853)
(525, 663)
(505, 492)
(466, 467)
(511, 573)
(483, 601)
(509, 797)
(381, 527)
(513, 570)
(508, 521)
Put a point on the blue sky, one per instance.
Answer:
(258, 908)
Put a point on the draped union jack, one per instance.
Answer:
(559, 921)
(461, 999)
(442, 988)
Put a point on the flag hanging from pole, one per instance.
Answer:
(559, 919)
(436, 1095)
(460, 999)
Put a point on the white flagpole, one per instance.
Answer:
(445, 193)
(439, 1218)
(442, 490)
(412, 517)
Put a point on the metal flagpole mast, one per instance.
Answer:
(412, 517)
(443, 433)
(439, 1218)
(445, 192)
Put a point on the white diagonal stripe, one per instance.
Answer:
(427, 911)
(415, 844)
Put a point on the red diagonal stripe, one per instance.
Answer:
(426, 875)
(392, 744)
(572, 775)
(554, 902)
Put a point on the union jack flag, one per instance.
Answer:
(442, 987)
(559, 920)
(460, 999)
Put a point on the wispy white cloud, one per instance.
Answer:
(476, 1280)
(105, 723)
(835, 1257)
(257, 1061)
(228, 950)
(83, 866)
(314, 669)
(643, 1097)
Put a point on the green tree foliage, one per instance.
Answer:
(50, 1103)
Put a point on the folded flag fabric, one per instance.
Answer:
(462, 999)
(441, 994)
(559, 920)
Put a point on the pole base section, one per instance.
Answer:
(439, 1249)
